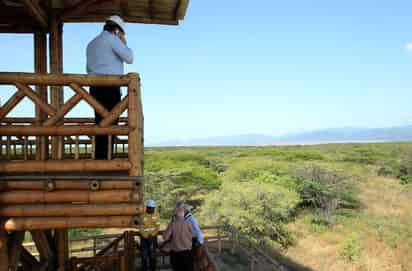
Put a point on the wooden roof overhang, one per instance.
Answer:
(29, 16)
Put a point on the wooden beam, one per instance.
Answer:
(115, 113)
(182, 9)
(129, 19)
(17, 29)
(124, 7)
(80, 7)
(151, 9)
(66, 120)
(82, 184)
(72, 102)
(36, 99)
(40, 223)
(68, 130)
(64, 166)
(176, 12)
(43, 210)
(36, 12)
(11, 103)
(96, 105)
(8, 78)
(67, 196)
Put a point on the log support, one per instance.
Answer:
(57, 100)
(15, 241)
(40, 67)
(43, 246)
(4, 252)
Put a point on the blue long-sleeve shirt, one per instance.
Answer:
(196, 229)
(106, 54)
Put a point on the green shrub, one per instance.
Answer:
(188, 185)
(259, 210)
(405, 170)
(351, 248)
(388, 171)
(326, 191)
(406, 179)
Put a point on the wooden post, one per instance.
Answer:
(62, 247)
(56, 67)
(129, 251)
(40, 67)
(219, 241)
(77, 148)
(15, 249)
(8, 149)
(4, 255)
(123, 263)
(233, 237)
(57, 98)
(135, 147)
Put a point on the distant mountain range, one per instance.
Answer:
(334, 135)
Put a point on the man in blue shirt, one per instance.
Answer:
(106, 54)
(197, 233)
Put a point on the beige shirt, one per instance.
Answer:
(179, 233)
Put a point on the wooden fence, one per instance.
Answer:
(108, 250)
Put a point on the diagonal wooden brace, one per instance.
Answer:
(115, 113)
(27, 259)
(42, 244)
(34, 9)
(36, 99)
(63, 110)
(100, 109)
(11, 103)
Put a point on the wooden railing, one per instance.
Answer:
(108, 250)
(31, 138)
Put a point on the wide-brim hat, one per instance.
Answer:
(118, 21)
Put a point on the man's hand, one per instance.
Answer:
(122, 37)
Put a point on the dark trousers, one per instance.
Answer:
(148, 253)
(182, 260)
(109, 97)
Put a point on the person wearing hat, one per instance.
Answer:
(148, 236)
(106, 54)
(178, 235)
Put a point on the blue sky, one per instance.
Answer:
(269, 67)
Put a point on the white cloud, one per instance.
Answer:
(408, 47)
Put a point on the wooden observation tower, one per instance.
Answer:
(49, 179)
